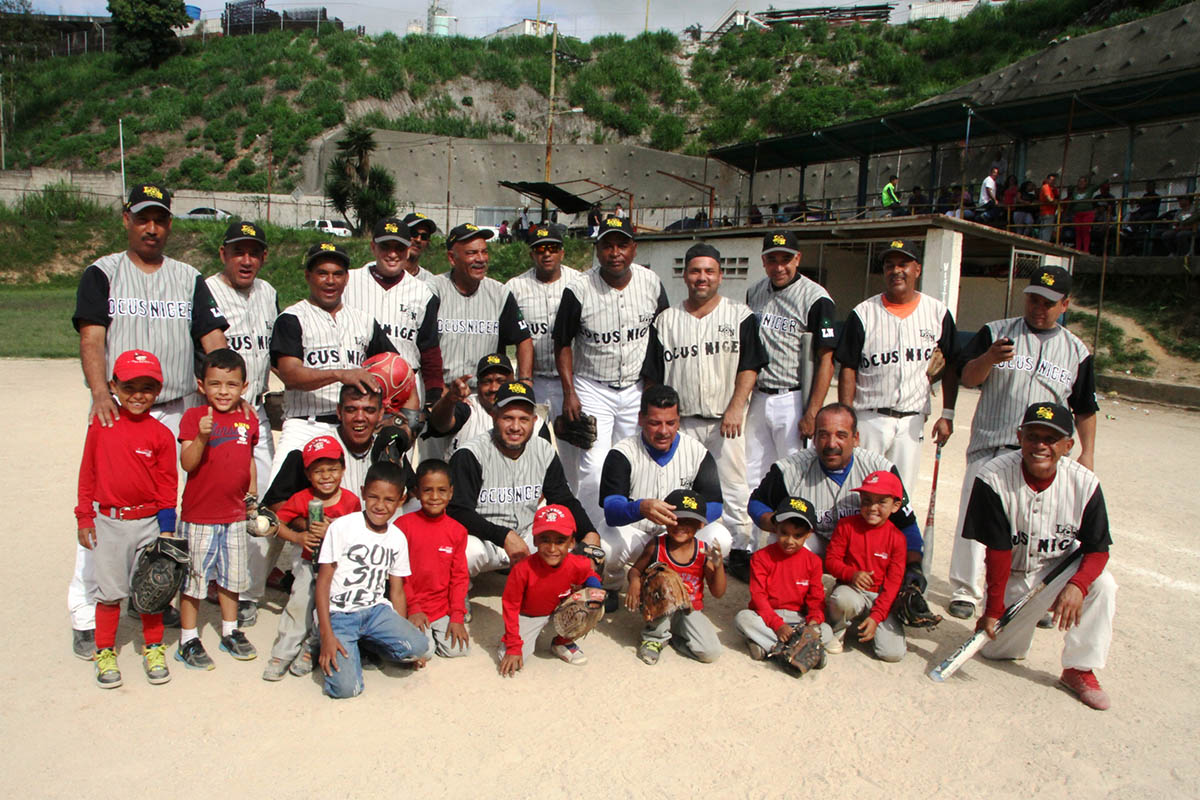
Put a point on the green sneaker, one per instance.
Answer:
(649, 651)
(154, 661)
(107, 674)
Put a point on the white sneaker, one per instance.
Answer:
(570, 653)
(837, 644)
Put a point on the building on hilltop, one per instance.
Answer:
(526, 27)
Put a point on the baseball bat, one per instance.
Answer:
(972, 646)
(927, 534)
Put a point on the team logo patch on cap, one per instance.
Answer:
(552, 514)
(777, 239)
(152, 191)
(542, 232)
(689, 502)
(1047, 279)
(517, 388)
(613, 222)
(897, 244)
(327, 246)
(799, 505)
(391, 228)
(493, 359)
(872, 479)
(1045, 412)
(471, 227)
(248, 230)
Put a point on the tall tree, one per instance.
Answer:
(354, 186)
(143, 30)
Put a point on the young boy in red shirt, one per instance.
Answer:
(536, 585)
(688, 630)
(126, 500)
(324, 464)
(866, 555)
(785, 584)
(217, 452)
(436, 592)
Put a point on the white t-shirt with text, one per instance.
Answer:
(365, 559)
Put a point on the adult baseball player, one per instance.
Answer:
(600, 338)
(499, 479)
(477, 315)
(317, 344)
(539, 292)
(1015, 362)
(795, 322)
(138, 299)
(250, 306)
(885, 348)
(642, 469)
(708, 347)
(404, 306)
(1031, 508)
(421, 229)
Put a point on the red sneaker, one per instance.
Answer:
(1086, 688)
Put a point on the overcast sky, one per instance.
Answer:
(582, 18)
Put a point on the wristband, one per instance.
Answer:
(948, 413)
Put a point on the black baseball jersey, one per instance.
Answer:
(165, 312)
(1006, 513)
(700, 357)
(251, 316)
(1047, 366)
(608, 329)
(539, 303)
(891, 352)
(471, 326)
(324, 341)
(407, 311)
(793, 322)
(631, 472)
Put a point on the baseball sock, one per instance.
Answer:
(152, 628)
(108, 616)
(228, 626)
(187, 634)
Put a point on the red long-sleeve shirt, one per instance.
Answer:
(856, 547)
(130, 464)
(437, 555)
(534, 589)
(297, 506)
(793, 582)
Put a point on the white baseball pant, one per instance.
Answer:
(483, 556)
(622, 544)
(262, 552)
(966, 558)
(548, 389)
(616, 413)
(772, 433)
(1085, 646)
(730, 455)
(896, 439)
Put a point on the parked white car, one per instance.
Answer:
(330, 226)
(204, 213)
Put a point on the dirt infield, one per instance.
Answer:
(614, 727)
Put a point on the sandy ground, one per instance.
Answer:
(614, 727)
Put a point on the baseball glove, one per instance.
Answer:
(159, 573)
(936, 365)
(663, 592)
(260, 521)
(578, 613)
(391, 444)
(579, 432)
(595, 553)
(912, 609)
(802, 651)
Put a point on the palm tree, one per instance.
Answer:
(352, 185)
(357, 143)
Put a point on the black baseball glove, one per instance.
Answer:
(579, 432)
(802, 651)
(391, 444)
(161, 568)
(912, 609)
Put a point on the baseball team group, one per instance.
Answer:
(628, 445)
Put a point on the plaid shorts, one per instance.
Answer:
(218, 552)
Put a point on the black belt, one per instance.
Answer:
(781, 391)
(894, 414)
(1012, 447)
(327, 419)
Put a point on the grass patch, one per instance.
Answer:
(35, 322)
(1117, 352)
(1168, 307)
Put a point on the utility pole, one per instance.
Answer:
(121, 141)
(449, 161)
(3, 159)
(647, 28)
(550, 113)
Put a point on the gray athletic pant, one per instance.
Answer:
(751, 625)
(295, 623)
(847, 605)
(695, 635)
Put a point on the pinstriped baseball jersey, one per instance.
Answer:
(326, 341)
(700, 357)
(648, 478)
(1039, 527)
(162, 312)
(510, 488)
(608, 329)
(251, 317)
(1047, 366)
(470, 327)
(891, 353)
(405, 311)
(803, 477)
(421, 272)
(792, 321)
(539, 303)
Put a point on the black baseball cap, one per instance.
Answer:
(147, 195)
(702, 250)
(780, 242)
(514, 392)
(326, 250)
(240, 231)
(903, 246)
(465, 233)
(391, 229)
(616, 225)
(548, 233)
(416, 219)
(688, 505)
(1052, 283)
(492, 362)
(1051, 415)
(796, 508)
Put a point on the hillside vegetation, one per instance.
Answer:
(211, 117)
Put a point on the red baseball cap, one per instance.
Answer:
(137, 364)
(882, 482)
(322, 447)
(554, 519)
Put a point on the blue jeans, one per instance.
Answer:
(392, 636)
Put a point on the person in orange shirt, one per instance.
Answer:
(1048, 208)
